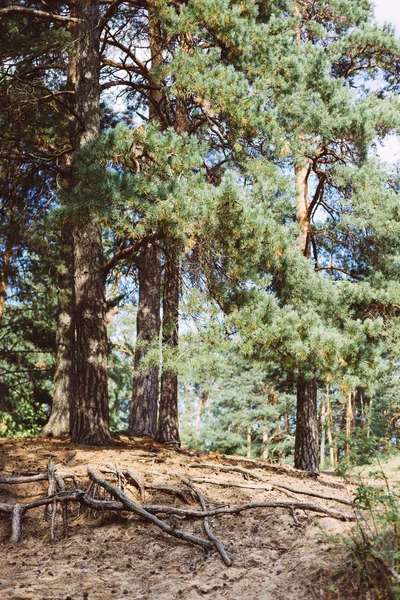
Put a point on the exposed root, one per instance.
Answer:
(213, 539)
(103, 496)
(273, 483)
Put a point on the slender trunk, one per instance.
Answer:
(362, 410)
(168, 424)
(369, 418)
(332, 449)
(349, 419)
(323, 436)
(143, 412)
(265, 440)
(306, 444)
(89, 417)
(287, 424)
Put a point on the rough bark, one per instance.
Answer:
(145, 392)
(306, 445)
(168, 424)
(143, 413)
(168, 427)
(59, 421)
(89, 418)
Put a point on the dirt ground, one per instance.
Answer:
(114, 556)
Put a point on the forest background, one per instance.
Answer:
(204, 178)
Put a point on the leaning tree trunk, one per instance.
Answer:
(306, 445)
(168, 424)
(89, 415)
(143, 412)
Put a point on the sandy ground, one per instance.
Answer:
(123, 557)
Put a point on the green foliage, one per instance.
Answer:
(377, 545)
(265, 86)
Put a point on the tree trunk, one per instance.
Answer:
(145, 392)
(369, 418)
(306, 444)
(168, 424)
(59, 424)
(89, 417)
(143, 412)
(349, 421)
(265, 441)
(332, 448)
(323, 436)
(302, 210)
(59, 421)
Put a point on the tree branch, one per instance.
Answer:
(11, 11)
